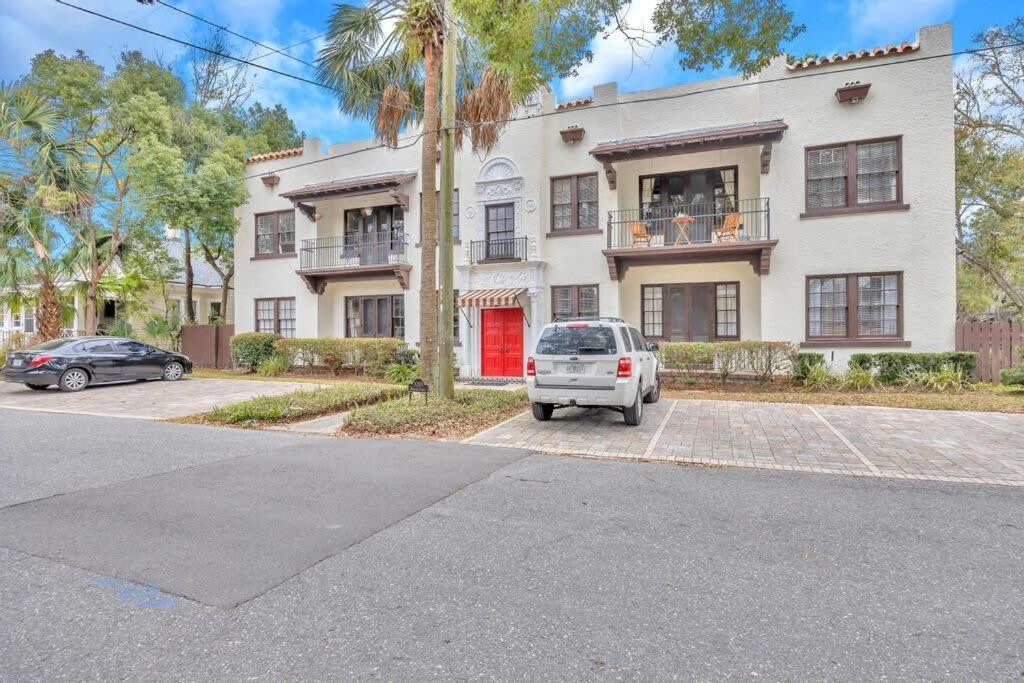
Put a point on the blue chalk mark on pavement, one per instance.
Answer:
(134, 594)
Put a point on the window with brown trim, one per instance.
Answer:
(573, 301)
(276, 315)
(275, 234)
(694, 311)
(375, 316)
(860, 306)
(574, 203)
(854, 176)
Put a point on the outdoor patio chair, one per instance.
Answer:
(640, 234)
(730, 229)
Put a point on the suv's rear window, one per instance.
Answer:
(576, 341)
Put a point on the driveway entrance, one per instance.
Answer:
(866, 441)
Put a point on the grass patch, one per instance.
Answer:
(471, 411)
(990, 398)
(299, 405)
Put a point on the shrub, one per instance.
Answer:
(765, 359)
(858, 379)
(818, 377)
(398, 373)
(276, 364)
(1012, 376)
(947, 379)
(805, 360)
(892, 368)
(340, 355)
(15, 342)
(249, 349)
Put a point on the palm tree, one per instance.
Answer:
(384, 59)
(40, 174)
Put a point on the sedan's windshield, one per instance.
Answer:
(576, 341)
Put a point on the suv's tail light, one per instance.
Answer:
(39, 360)
(625, 367)
(531, 367)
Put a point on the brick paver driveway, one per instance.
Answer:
(144, 400)
(865, 441)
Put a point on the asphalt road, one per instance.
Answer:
(146, 550)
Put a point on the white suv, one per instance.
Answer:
(593, 362)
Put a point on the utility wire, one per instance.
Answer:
(273, 50)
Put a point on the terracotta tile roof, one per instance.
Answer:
(860, 54)
(377, 181)
(575, 103)
(276, 154)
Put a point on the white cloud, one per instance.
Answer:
(614, 59)
(892, 20)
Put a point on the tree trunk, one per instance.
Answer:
(225, 292)
(428, 221)
(90, 308)
(186, 252)
(49, 321)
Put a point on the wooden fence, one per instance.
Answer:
(998, 345)
(208, 345)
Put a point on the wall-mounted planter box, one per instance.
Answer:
(852, 92)
(271, 180)
(572, 134)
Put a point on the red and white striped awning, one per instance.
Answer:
(487, 298)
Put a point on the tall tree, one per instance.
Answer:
(270, 128)
(990, 161)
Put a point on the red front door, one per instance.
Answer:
(502, 342)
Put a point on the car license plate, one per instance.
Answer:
(575, 369)
(17, 363)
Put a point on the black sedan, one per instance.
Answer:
(74, 364)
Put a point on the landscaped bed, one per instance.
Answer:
(300, 405)
(982, 397)
(471, 411)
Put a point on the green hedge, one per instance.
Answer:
(1012, 376)
(249, 349)
(352, 355)
(892, 367)
(805, 362)
(765, 359)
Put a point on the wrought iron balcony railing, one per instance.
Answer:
(508, 249)
(683, 225)
(325, 253)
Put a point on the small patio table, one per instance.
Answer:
(682, 223)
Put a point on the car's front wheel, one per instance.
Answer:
(74, 379)
(543, 411)
(633, 415)
(173, 371)
(37, 387)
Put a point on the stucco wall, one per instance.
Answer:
(908, 98)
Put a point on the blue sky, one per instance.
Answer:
(30, 26)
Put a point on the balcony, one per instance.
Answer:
(353, 257)
(498, 250)
(681, 233)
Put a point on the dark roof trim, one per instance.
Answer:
(358, 185)
(698, 140)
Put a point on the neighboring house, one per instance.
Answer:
(810, 204)
(167, 298)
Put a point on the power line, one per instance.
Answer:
(226, 29)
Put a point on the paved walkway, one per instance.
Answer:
(864, 441)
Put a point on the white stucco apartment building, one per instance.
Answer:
(812, 203)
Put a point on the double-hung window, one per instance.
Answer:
(275, 234)
(854, 176)
(575, 301)
(276, 315)
(574, 203)
(856, 307)
(375, 316)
